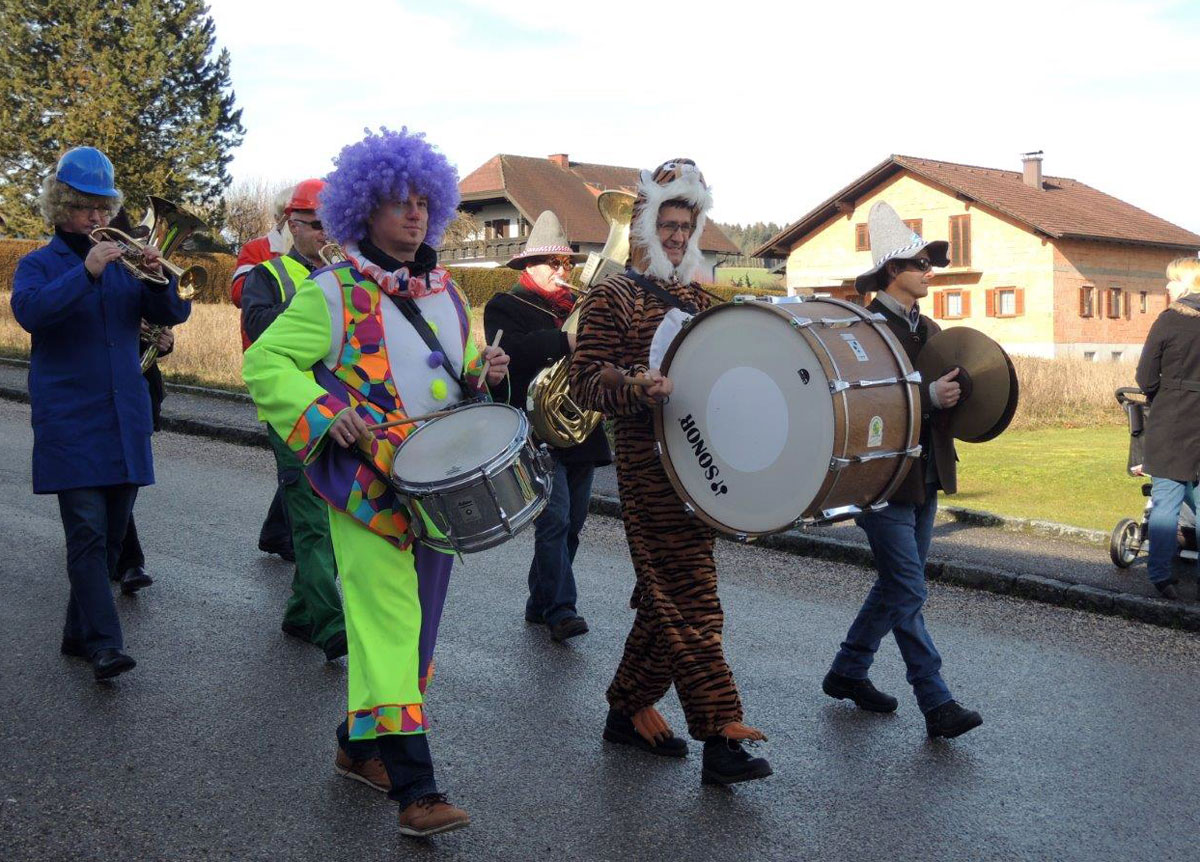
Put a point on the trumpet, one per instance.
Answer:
(331, 253)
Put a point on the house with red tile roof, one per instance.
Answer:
(506, 194)
(1048, 266)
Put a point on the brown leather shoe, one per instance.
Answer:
(431, 815)
(370, 772)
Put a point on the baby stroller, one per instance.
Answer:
(1129, 537)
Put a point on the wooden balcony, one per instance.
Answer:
(479, 251)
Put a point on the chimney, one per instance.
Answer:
(1031, 168)
(561, 160)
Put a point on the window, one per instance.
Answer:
(914, 224)
(960, 240)
(1006, 302)
(1143, 302)
(1112, 302)
(1087, 301)
(1089, 356)
(951, 304)
(862, 238)
(1116, 355)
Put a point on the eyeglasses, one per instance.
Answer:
(315, 224)
(670, 228)
(561, 263)
(923, 264)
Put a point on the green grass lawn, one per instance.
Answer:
(1071, 476)
(759, 277)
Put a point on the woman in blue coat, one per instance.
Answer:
(90, 403)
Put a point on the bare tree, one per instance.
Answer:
(249, 208)
(464, 228)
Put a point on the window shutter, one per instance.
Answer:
(939, 304)
(1019, 301)
(1083, 302)
(966, 303)
(990, 297)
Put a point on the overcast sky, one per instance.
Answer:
(779, 106)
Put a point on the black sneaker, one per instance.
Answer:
(568, 628)
(299, 632)
(335, 647)
(861, 691)
(618, 728)
(726, 762)
(1167, 589)
(133, 579)
(279, 549)
(951, 719)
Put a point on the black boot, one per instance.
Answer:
(726, 762)
(1167, 589)
(619, 728)
(950, 720)
(861, 691)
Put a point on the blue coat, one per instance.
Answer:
(90, 403)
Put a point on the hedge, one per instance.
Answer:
(479, 283)
(219, 266)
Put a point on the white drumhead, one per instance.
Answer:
(749, 425)
(464, 441)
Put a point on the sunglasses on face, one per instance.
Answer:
(559, 263)
(922, 264)
(315, 224)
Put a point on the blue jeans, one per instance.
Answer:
(406, 756)
(94, 521)
(1167, 495)
(552, 593)
(900, 535)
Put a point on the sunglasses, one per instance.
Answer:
(922, 264)
(559, 263)
(315, 224)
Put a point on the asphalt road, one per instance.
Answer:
(219, 745)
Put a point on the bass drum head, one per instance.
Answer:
(747, 433)
(454, 445)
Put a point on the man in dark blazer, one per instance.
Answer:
(89, 402)
(901, 532)
(531, 316)
(1169, 373)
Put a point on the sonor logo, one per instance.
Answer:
(703, 457)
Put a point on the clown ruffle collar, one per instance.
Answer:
(412, 280)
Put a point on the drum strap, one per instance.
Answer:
(659, 293)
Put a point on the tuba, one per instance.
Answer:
(553, 414)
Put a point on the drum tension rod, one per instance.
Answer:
(836, 386)
(842, 463)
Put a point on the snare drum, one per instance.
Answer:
(785, 413)
(475, 475)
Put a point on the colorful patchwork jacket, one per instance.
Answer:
(366, 356)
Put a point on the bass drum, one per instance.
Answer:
(785, 413)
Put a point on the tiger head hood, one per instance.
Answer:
(678, 182)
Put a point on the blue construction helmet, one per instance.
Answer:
(87, 170)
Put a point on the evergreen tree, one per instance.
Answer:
(135, 78)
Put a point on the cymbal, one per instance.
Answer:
(990, 391)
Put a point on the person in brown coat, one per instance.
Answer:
(1169, 373)
(901, 532)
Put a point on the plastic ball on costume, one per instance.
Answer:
(434, 360)
(439, 390)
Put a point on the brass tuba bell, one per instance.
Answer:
(553, 415)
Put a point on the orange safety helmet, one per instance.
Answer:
(304, 196)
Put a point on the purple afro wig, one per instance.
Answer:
(382, 168)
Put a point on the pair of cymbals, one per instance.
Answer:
(987, 377)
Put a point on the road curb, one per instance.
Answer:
(1038, 588)
(1051, 591)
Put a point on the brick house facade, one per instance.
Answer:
(1045, 265)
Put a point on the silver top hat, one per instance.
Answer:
(892, 239)
(546, 239)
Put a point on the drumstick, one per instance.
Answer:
(614, 377)
(408, 420)
(487, 364)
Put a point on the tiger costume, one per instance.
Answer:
(677, 631)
